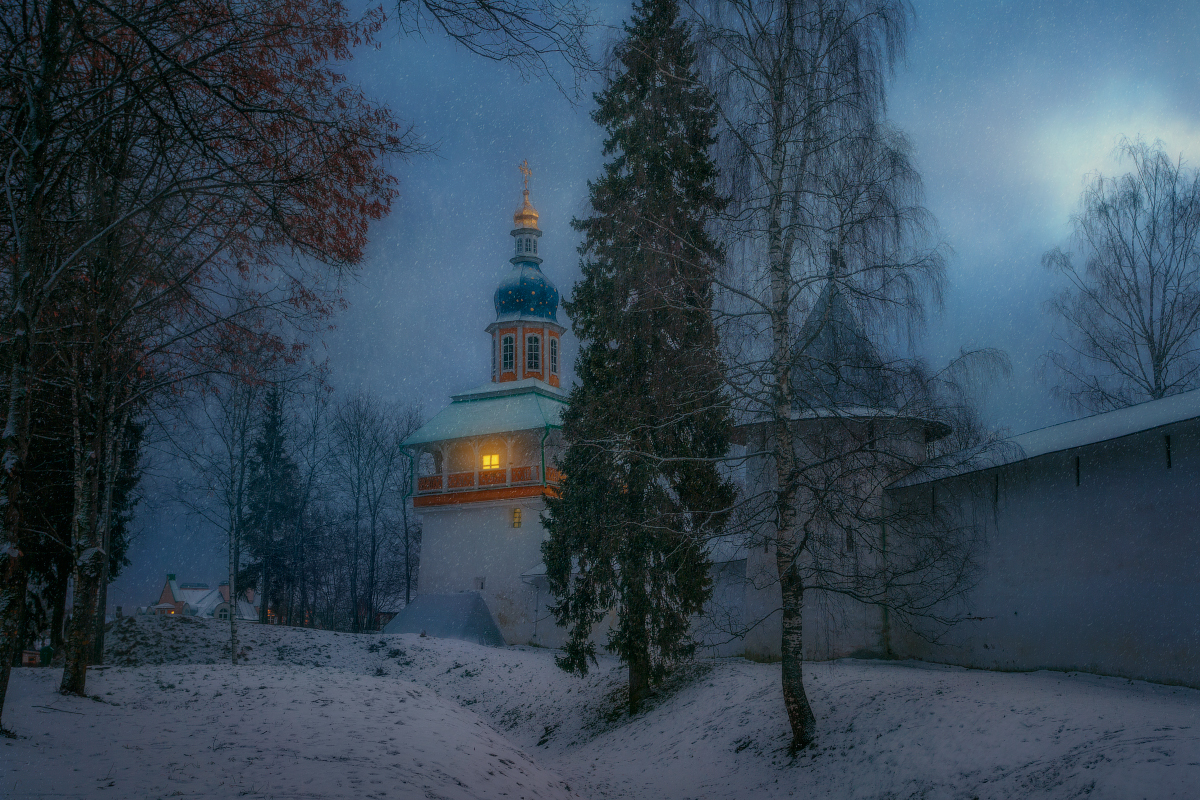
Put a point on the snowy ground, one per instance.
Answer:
(321, 714)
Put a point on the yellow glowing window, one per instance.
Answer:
(491, 462)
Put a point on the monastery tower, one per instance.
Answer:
(485, 464)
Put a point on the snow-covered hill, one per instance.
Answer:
(887, 730)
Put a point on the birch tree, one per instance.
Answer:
(832, 260)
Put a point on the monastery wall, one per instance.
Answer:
(1103, 576)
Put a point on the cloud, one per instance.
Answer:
(1071, 143)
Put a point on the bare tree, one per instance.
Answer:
(368, 464)
(1131, 311)
(313, 454)
(216, 438)
(410, 420)
(530, 34)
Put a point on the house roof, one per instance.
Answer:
(194, 596)
(495, 408)
(1091, 430)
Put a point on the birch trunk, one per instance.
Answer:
(116, 433)
(800, 715)
(87, 548)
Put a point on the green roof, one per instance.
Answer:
(495, 408)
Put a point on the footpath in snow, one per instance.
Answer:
(319, 714)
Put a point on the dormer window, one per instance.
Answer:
(533, 354)
(553, 355)
(508, 346)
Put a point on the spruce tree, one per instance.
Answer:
(647, 422)
(272, 505)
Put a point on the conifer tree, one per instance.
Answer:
(647, 423)
(272, 504)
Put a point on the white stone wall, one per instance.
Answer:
(476, 542)
(1101, 577)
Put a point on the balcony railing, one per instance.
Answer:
(484, 479)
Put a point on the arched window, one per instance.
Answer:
(223, 613)
(508, 347)
(553, 355)
(533, 353)
(528, 244)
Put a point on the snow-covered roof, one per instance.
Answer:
(246, 610)
(462, 615)
(193, 595)
(495, 408)
(1091, 430)
(1110, 425)
(204, 604)
(835, 363)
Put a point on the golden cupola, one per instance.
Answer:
(526, 216)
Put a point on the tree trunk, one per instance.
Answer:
(800, 714)
(110, 476)
(234, 555)
(12, 600)
(639, 683)
(263, 603)
(81, 631)
(58, 597)
(87, 550)
(787, 549)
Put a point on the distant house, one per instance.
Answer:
(199, 600)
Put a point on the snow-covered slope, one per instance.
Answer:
(887, 730)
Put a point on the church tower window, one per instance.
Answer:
(507, 354)
(533, 353)
(553, 356)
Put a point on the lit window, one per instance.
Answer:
(507, 349)
(516, 517)
(533, 354)
(491, 461)
(553, 356)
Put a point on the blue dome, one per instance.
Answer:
(526, 292)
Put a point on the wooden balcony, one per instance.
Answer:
(455, 482)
